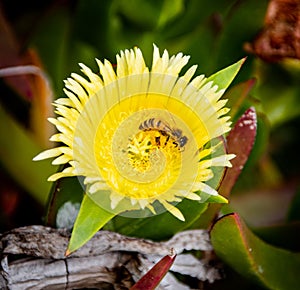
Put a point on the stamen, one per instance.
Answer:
(145, 143)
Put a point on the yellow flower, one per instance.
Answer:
(141, 138)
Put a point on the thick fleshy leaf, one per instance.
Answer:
(263, 207)
(162, 226)
(238, 98)
(156, 14)
(278, 92)
(236, 245)
(284, 235)
(239, 27)
(170, 10)
(52, 40)
(42, 97)
(216, 199)
(224, 77)
(152, 278)
(16, 152)
(63, 190)
(91, 218)
(240, 142)
(250, 176)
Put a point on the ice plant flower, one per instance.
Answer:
(140, 138)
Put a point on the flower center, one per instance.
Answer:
(145, 151)
(142, 152)
(145, 148)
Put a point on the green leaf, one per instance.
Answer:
(216, 199)
(145, 14)
(283, 235)
(236, 245)
(51, 39)
(91, 218)
(224, 77)
(170, 10)
(238, 27)
(278, 93)
(238, 98)
(63, 190)
(149, 15)
(162, 226)
(16, 152)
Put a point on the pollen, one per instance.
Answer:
(143, 148)
(139, 151)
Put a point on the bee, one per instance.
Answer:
(165, 129)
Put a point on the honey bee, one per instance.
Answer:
(165, 129)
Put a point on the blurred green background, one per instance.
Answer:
(57, 35)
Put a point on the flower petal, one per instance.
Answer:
(173, 210)
(54, 152)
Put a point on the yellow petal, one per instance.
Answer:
(48, 154)
(173, 210)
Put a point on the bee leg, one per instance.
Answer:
(157, 140)
(167, 139)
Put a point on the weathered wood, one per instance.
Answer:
(108, 261)
(97, 272)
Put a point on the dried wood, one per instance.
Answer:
(33, 258)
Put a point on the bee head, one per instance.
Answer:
(182, 141)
